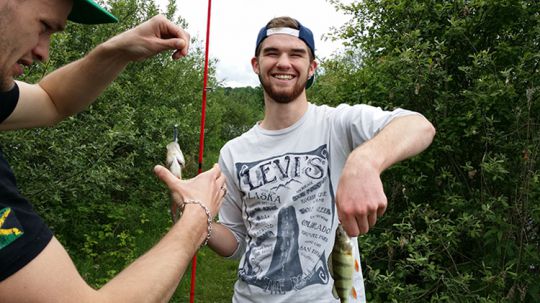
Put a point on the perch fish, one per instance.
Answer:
(342, 266)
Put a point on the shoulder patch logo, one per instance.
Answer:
(10, 228)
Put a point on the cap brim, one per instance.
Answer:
(89, 12)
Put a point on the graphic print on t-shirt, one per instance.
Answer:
(10, 228)
(290, 215)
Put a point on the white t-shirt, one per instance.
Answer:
(281, 200)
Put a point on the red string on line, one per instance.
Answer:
(201, 137)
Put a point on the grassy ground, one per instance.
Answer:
(215, 275)
(215, 278)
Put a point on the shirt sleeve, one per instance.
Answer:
(8, 101)
(362, 122)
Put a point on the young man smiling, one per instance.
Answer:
(300, 171)
(34, 266)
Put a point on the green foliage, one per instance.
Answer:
(231, 112)
(463, 222)
(91, 176)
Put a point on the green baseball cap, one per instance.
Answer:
(89, 12)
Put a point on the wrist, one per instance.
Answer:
(365, 158)
(111, 54)
(199, 213)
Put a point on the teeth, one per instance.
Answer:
(284, 77)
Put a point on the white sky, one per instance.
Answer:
(236, 23)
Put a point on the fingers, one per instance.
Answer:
(220, 180)
(165, 175)
(208, 188)
(381, 210)
(358, 225)
(181, 44)
(371, 220)
(174, 37)
(358, 219)
(350, 225)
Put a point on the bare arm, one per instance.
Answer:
(52, 277)
(74, 87)
(223, 241)
(360, 196)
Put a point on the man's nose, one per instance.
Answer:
(283, 61)
(41, 51)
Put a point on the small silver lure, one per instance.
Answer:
(175, 163)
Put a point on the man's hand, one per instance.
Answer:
(150, 38)
(207, 187)
(360, 198)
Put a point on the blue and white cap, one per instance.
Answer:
(303, 33)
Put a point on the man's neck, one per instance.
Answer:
(282, 115)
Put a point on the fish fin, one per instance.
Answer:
(334, 292)
(330, 264)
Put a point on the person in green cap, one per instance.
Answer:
(34, 266)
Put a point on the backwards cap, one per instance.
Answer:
(303, 33)
(89, 12)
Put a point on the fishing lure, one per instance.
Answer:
(175, 163)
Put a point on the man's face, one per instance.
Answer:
(25, 30)
(283, 66)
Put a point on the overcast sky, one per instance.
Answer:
(236, 23)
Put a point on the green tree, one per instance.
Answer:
(91, 176)
(231, 112)
(463, 222)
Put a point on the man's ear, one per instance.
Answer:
(312, 68)
(255, 65)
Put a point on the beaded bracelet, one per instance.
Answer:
(208, 215)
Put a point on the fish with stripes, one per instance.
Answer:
(342, 266)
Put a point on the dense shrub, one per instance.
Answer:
(463, 217)
(463, 220)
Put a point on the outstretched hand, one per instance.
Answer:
(150, 38)
(207, 187)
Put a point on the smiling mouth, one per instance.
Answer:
(24, 62)
(20, 65)
(283, 76)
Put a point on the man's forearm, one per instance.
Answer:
(402, 138)
(223, 242)
(75, 86)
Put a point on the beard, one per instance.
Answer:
(6, 82)
(283, 96)
(6, 18)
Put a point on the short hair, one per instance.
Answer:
(289, 22)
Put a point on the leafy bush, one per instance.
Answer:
(463, 218)
(463, 222)
(91, 176)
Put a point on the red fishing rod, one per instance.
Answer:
(201, 136)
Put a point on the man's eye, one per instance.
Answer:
(46, 27)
